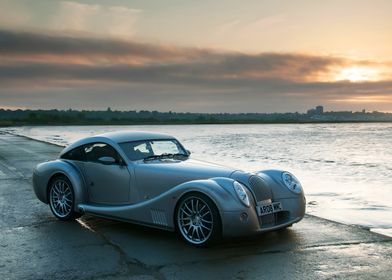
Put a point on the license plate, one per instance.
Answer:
(269, 208)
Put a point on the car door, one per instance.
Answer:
(107, 177)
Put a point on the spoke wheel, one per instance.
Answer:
(198, 220)
(61, 199)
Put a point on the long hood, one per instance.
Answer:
(188, 169)
(155, 177)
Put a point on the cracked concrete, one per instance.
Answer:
(34, 245)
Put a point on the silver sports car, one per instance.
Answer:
(149, 179)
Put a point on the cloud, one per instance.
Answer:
(27, 45)
(242, 29)
(194, 79)
(26, 50)
(94, 18)
(70, 17)
(268, 71)
(265, 22)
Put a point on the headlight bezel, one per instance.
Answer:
(291, 182)
(241, 193)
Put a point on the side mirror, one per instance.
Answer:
(107, 160)
(188, 152)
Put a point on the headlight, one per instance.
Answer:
(291, 182)
(241, 193)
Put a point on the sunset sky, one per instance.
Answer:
(196, 56)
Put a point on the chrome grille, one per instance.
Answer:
(262, 192)
(260, 189)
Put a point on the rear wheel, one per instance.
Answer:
(197, 220)
(62, 199)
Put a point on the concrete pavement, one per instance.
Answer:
(34, 245)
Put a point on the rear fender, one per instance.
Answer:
(47, 171)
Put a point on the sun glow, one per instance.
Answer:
(357, 74)
(366, 99)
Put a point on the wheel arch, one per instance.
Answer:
(48, 172)
(52, 177)
(219, 190)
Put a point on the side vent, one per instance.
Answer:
(158, 217)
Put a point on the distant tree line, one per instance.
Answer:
(106, 117)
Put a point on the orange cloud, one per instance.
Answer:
(49, 63)
(367, 99)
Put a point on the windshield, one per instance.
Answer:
(153, 149)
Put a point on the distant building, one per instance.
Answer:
(311, 112)
(319, 110)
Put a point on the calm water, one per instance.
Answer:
(346, 169)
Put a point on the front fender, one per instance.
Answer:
(273, 178)
(44, 172)
(220, 190)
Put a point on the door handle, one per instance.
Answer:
(91, 183)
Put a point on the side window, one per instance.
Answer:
(75, 154)
(97, 151)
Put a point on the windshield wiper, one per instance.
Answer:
(179, 155)
(152, 157)
(165, 156)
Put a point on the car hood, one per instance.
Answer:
(189, 168)
(155, 177)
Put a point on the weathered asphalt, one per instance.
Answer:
(34, 245)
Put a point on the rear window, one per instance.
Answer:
(75, 154)
(95, 151)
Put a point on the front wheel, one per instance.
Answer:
(62, 199)
(197, 220)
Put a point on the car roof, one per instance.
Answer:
(129, 136)
(118, 137)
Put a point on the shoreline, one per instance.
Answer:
(103, 123)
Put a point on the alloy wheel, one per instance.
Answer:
(61, 198)
(195, 220)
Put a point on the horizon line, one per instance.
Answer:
(109, 109)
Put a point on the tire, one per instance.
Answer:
(62, 199)
(197, 220)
